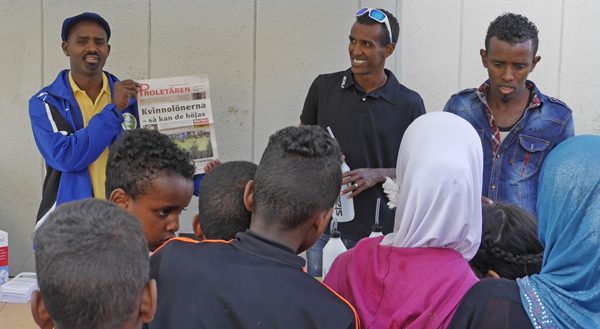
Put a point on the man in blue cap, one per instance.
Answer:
(78, 116)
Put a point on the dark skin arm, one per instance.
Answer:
(122, 91)
(365, 178)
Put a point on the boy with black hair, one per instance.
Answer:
(152, 178)
(92, 269)
(257, 280)
(221, 210)
(518, 125)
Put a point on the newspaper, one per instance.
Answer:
(180, 108)
(19, 289)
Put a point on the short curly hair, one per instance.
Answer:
(384, 38)
(139, 157)
(84, 250)
(221, 210)
(513, 28)
(298, 176)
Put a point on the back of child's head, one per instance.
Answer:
(509, 244)
(298, 176)
(139, 157)
(221, 210)
(92, 265)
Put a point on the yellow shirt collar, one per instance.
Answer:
(76, 89)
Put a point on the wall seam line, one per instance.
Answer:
(398, 50)
(560, 49)
(43, 78)
(149, 39)
(42, 48)
(252, 145)
(460, 45)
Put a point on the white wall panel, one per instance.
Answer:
(580, 68)
(430, 49)
(20, 163)
(295, 42)
(215, 38)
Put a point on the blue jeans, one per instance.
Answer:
(314, 255)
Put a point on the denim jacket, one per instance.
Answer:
(511, 176)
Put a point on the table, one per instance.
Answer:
(16, 316)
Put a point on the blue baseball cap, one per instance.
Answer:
(72, 21)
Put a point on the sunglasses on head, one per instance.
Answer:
(378, 16)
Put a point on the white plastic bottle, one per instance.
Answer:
(376, 229)
(343, 210)
(332, 249)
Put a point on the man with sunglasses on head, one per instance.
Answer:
(368, 111)
(77, 117)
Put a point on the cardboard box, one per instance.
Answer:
(3, 257)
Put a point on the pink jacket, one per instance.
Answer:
(394, 287)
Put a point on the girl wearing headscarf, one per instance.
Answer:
(416, 276)
(566, 293)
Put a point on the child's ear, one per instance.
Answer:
(148, 306)
(323, 220)
(120, 197)
(39, 311)
(492, 274)
(249, 196)
(197, 229)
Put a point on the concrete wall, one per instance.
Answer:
(441, 42)
(262, 56)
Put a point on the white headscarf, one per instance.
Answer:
(439, 173)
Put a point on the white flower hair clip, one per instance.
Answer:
(390, 187)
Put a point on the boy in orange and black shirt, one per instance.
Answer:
(152, 178)
(257, 279)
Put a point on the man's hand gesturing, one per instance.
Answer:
(122, 91)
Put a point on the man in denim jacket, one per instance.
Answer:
(518, 125)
